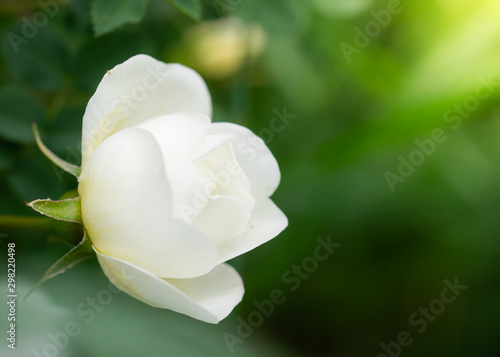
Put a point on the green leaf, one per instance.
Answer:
(66, 166)
(108, 15)
(18, 109)
(79, 253)
(192, 8)
(41, 61)
(68, 210)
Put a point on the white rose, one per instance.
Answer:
(167, 196)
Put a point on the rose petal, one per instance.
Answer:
(223, 218)
(254, 157)
(212, 142)
(228, 178)
(179, 136)
(208, 298)
(127, 209)
(139, 89)
(266, 223)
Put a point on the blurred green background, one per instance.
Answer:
(391, 149)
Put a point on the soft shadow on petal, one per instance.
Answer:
(254, 157)
(212, 142)
(208, 298)
(223, 218)
(127, 209)
(222, 167)
(266, 223)
(139, 89)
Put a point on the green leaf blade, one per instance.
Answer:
(41, 61)
(68, 210)
(192, 8)
(108, 15)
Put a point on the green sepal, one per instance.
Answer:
(66, 166)
(76, 255)
(68, 210)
